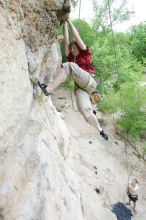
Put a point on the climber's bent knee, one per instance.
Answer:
(83, 103)
(71, 68)
(86, 112)
(80, 76)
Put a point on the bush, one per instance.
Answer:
(131, 101)
(69, 84)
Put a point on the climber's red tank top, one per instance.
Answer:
(83, 60)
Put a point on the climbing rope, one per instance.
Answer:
(79, 17)
(118, 74)
(80, 3)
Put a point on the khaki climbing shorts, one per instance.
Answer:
(81, 78)
(84, 103)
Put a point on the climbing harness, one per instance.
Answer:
(90, 82)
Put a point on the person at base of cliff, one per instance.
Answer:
(132, 192)
(80, 69)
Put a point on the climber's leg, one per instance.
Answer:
(134, 207)
(80, 76)
(85, 107)
(60, 78)
(71, 69)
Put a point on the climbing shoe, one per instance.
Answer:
(104, 135)
(43, 88)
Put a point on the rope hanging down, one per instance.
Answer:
(118, 74)
(79, 17)
(80, 3)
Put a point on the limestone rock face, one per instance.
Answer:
(35, 181)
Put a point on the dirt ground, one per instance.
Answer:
(100, 164)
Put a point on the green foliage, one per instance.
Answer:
(104, 61)
(69, 84)
(131, 102)
(138, 42)
(121, 82)
(110, 103)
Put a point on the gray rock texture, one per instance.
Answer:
(35, 180)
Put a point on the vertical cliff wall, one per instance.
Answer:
(35, 180)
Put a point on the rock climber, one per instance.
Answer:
(80, 69)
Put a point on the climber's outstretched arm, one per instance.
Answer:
(66, 39)
(76, 35)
